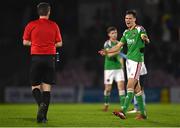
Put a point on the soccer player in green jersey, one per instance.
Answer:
(135, 37)
(113, 69)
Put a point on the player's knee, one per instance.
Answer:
(121, 85)
(137, 90)
(138, 93)
(108, 87)
(107, 92)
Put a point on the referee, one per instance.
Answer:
(43, 35)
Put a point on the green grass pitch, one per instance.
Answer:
(87, 115)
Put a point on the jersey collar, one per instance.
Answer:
(133, 27)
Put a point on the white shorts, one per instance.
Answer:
(133, 69)
(143, 69)
(110, 75)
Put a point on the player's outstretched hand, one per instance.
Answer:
(102, 52)
(145, 38)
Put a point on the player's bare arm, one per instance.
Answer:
(145, 38)
(113, 54)
(115, 48)
(112, 50)
(58, 44)
(26, 43)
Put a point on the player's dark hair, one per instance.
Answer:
(43, 8)
(132, 12)
(111, 28)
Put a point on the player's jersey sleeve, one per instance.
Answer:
(141, 30)
(27, 31)
(123, 39)
(106, 45)
(58, 34)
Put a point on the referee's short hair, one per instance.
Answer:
(43, 8)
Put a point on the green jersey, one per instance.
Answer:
(134, 43)
(113, 62)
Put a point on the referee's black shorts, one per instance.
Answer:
(42, 69)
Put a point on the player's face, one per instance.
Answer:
(113, 34)
(130, 20)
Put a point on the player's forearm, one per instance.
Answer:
(26, 43)
(112, 50)
(58, 44)
(113, 54)
(115, 48)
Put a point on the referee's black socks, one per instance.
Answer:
(37, 95)
(46, 100)
(46, 97)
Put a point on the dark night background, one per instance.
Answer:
(83, 26)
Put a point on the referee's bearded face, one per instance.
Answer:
(113, 34)
(130, 20)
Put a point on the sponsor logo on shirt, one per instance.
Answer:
(130, 41)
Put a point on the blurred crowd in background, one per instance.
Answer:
(83, 25)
